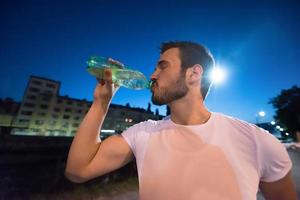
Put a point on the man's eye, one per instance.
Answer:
(163, 66)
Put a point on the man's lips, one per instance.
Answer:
(153, 86)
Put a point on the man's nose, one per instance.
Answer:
(154, 76)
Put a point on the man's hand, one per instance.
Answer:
(105, 89)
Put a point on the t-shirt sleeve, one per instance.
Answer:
(273, 159)
(131, 136)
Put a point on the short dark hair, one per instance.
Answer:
(192, 53)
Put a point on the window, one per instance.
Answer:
(69, 102)
(26, 113)
(51, 85)
(47, 98)
(33, 89)
(42, 114)
(48, 92)
(80, 104)
(29, 105)
(31, 97)
(67, 110)
(52, 123)
(23, 120)
(77, 118)
(55, 116)
(79, 111)
(35, 129)
(75, 125)
(59, 101)
(65, 125)
(36, 82)
(66, 116)
(39, 122)
(56, 109)
(43, 106)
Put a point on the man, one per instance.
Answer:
(194, 154)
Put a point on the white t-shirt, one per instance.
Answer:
(225, 158)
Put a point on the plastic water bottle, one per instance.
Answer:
(121, 74)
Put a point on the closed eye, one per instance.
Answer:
(162, 64)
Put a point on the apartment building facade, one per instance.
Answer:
(44, 112)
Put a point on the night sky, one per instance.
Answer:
(257, 42)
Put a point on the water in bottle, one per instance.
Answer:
(121, 74)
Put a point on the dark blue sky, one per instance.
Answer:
(256, 41)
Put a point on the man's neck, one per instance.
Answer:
(189, 111)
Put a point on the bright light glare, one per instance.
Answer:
(273, 123)
(108, 131)
(262, 113)
(278, 127)
(218, 75)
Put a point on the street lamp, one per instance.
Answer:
(278, 127)
(261, 114)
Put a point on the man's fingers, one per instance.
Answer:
(100, 81)
(107, 76)
(115, 62)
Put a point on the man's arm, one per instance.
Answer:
(88, 156)
(282, 189)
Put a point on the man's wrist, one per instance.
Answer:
(100, 106)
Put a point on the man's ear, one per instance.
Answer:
(195, 72)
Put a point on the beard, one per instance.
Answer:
(166, 95)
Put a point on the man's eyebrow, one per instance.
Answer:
(162, 62)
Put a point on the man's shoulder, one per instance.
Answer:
(149, 124)
(238, 124)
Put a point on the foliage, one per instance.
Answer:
(287, 106)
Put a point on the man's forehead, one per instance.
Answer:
(171, 52)
(170, 55)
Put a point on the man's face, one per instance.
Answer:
(168, 79)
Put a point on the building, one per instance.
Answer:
(8, 111)
(44, 112)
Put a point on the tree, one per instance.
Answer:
(287, 106)
(149, 107)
